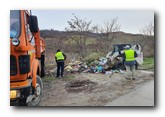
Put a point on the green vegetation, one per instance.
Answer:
(148, 63)
(49, 66)
(93, 56)
(48, 78)
(69, 76)
(89, 41)
(51, 78)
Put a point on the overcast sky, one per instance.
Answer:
(131, 21)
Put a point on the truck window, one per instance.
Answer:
(14, 23)
(29, 35)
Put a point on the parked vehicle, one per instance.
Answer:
(26, 59)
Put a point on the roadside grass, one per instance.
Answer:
(51, 78)
(148, 63)
(49, 65)
(69, 76)
(48, 78)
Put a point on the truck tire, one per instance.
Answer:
(38, 93)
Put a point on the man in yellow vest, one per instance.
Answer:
(129, 56)
(60, 57)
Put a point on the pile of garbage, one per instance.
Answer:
(96, 66)
(76, 66)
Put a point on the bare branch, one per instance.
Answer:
(107, 32)
(79, 27)
(148, 35)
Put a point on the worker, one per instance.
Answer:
(60, 57)
(129, 56)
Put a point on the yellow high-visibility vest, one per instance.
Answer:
(59, 56)
(130, 55)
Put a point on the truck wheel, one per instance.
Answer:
(38, 93)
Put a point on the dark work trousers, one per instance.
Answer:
(60, 68)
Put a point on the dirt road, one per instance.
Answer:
(90, 89)
(140, 96)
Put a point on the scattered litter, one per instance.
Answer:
(115, 71)
(76, 66)
(102, 61)
(68, 68)
(122, 71)
(111, 63)
(97, 66)
(108, 72)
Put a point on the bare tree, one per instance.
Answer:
(148, 35)
(108, 32)
(79, 29)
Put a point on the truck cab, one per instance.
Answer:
(26, 59)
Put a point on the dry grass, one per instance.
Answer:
(93, 46)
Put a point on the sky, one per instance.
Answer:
(131, 21)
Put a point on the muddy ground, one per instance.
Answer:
(86, 89)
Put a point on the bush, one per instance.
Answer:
(148, 63)
(92, 57)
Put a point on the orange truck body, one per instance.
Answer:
(26, 61)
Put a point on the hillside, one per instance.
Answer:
(60, 39)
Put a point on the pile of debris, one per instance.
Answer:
(96, 66)
(112, 63)
(76, 66)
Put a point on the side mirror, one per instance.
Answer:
(33, 23)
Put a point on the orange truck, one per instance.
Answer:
(27, 58)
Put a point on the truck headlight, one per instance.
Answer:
(15, 94)
(15, 41)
